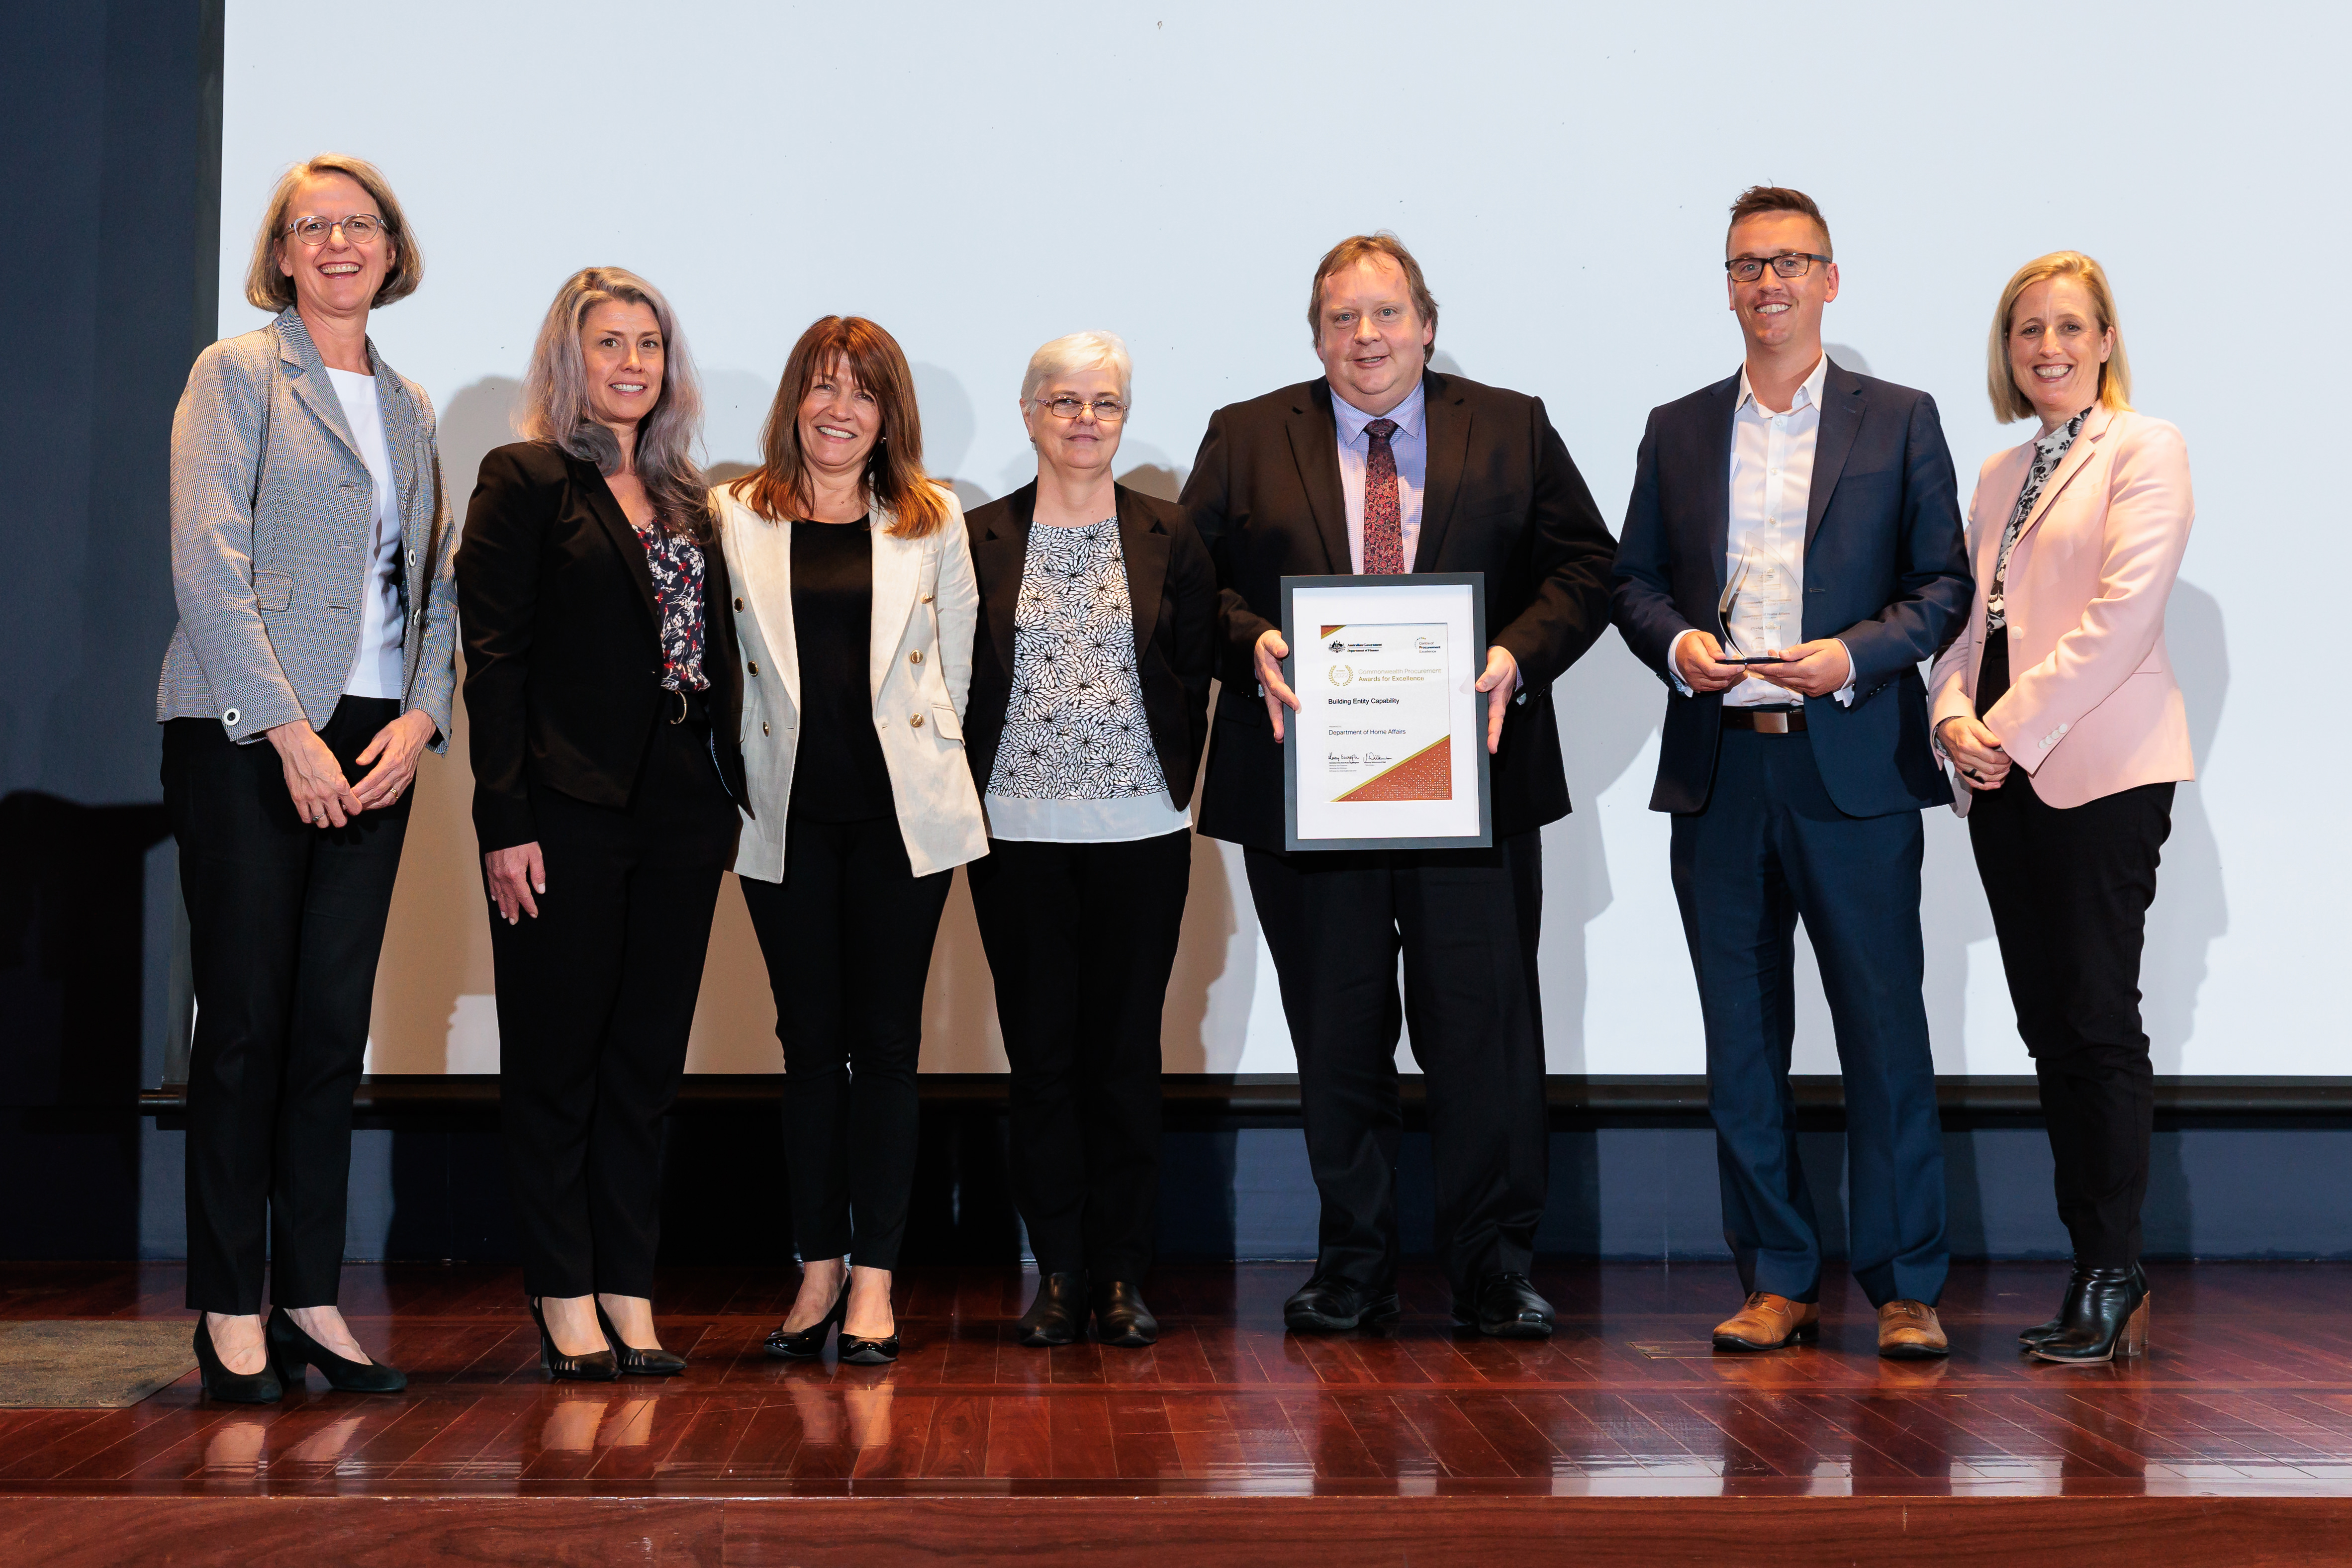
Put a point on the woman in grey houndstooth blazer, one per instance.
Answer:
(310, 556)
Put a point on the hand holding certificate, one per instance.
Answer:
(1388, 747)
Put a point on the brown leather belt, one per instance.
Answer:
(1765, 721)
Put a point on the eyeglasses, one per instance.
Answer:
(1788, 263)
(1107, 410)
(360, 228)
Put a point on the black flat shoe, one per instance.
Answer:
(596, 1366)
(635, 1362)
(290, 1350)
(808, 1343)
(1059, 1314)
(1121, 1318)
(261, 1388)
(856, 1352)
(1332, 1303)
(2031, 1337)
(1505, 1306)
(2106, 1317)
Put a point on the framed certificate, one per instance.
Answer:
(1388, 749)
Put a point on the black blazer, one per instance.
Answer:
(1173, 589)
(1503, 497)
(1886, 569)
(562, 637)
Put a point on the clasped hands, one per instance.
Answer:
(1815, 669)
(1975, 751)
(1500, 682)
(323, 797)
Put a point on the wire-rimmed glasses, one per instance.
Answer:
(1107, 410)
(360, 228)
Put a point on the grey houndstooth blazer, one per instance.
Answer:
(271, 507)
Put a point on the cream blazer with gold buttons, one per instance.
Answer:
(926, 608)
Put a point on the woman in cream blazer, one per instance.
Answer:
(855, 604)
(2058, 710)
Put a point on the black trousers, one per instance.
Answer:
(2070, 891)
(1772, 848)
(285, 924)
(1466, 922)
(596, 1002)
(847, 939)
(1081, 939)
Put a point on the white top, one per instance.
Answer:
(1408, 444)
(375, 664)
(1771, 482)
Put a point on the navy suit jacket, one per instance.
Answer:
(1887, 570)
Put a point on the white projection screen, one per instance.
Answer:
(979, 178)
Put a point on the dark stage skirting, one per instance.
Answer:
(1622, 1440)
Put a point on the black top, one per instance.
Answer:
(1171, 589)
(838, 775)
(1503, 497)
(563, 653)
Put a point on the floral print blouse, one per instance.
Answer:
(677, 564)
(2049, 451)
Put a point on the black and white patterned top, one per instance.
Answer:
(1074, 727)
(2049, 451)
(676, 562)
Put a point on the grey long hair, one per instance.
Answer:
(555, 399)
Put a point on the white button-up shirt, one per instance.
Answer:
(1771, 485)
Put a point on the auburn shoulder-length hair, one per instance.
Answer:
(555, 399)
(895, 481)
(2008, 399)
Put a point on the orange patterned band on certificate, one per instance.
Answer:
(1426, 775)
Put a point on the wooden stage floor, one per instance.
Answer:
(1622, 1439)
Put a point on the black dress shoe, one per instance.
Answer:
(858, 1351)
(635, 1362)
(808, 1343)
(261, 1388)
(2031, 1337)
(1333, 1304)
(2104, 1317)
(290, 1350)
(1121, 1318)
(1505, 1306)
(596, 1366)
(1058, 1315)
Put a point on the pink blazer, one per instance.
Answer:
(2092, 706)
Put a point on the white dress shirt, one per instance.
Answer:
(1408, 444)
(376, 664)
(1771, 483)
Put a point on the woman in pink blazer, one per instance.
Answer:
(2058, 710)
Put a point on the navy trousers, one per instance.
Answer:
(1770, 848)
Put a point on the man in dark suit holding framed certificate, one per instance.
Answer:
(1384, 466)
(1792, 552)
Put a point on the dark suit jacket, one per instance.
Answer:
(1502, 498)
(1173, 591)
(1886, 568)
(564, 661)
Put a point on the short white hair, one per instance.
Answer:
(1080, 351)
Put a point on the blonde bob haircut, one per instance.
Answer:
(2010, 403)
(1080, 351)
(267, 288)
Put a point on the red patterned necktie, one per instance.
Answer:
(1383, 522)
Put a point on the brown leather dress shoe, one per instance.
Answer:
(1769, 1321)
(1908, 1331)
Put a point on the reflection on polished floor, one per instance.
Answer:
(2248, 1397)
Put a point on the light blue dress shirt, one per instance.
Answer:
(1409, 442)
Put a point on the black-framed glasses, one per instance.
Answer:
(1788, 263)
(1107, 410)
(360, 228)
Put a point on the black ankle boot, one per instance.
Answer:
(2031, 1337)
(2105, 1316)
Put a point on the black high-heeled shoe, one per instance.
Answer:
(808, 1343)
(596, 1366)
(233, 1387)
(859, 1351)
(635, 1362)
(2031, 1337)
(2106, 1317)
(290, 1350)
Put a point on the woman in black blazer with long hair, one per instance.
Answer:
(1089, 708)
(602, 688)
